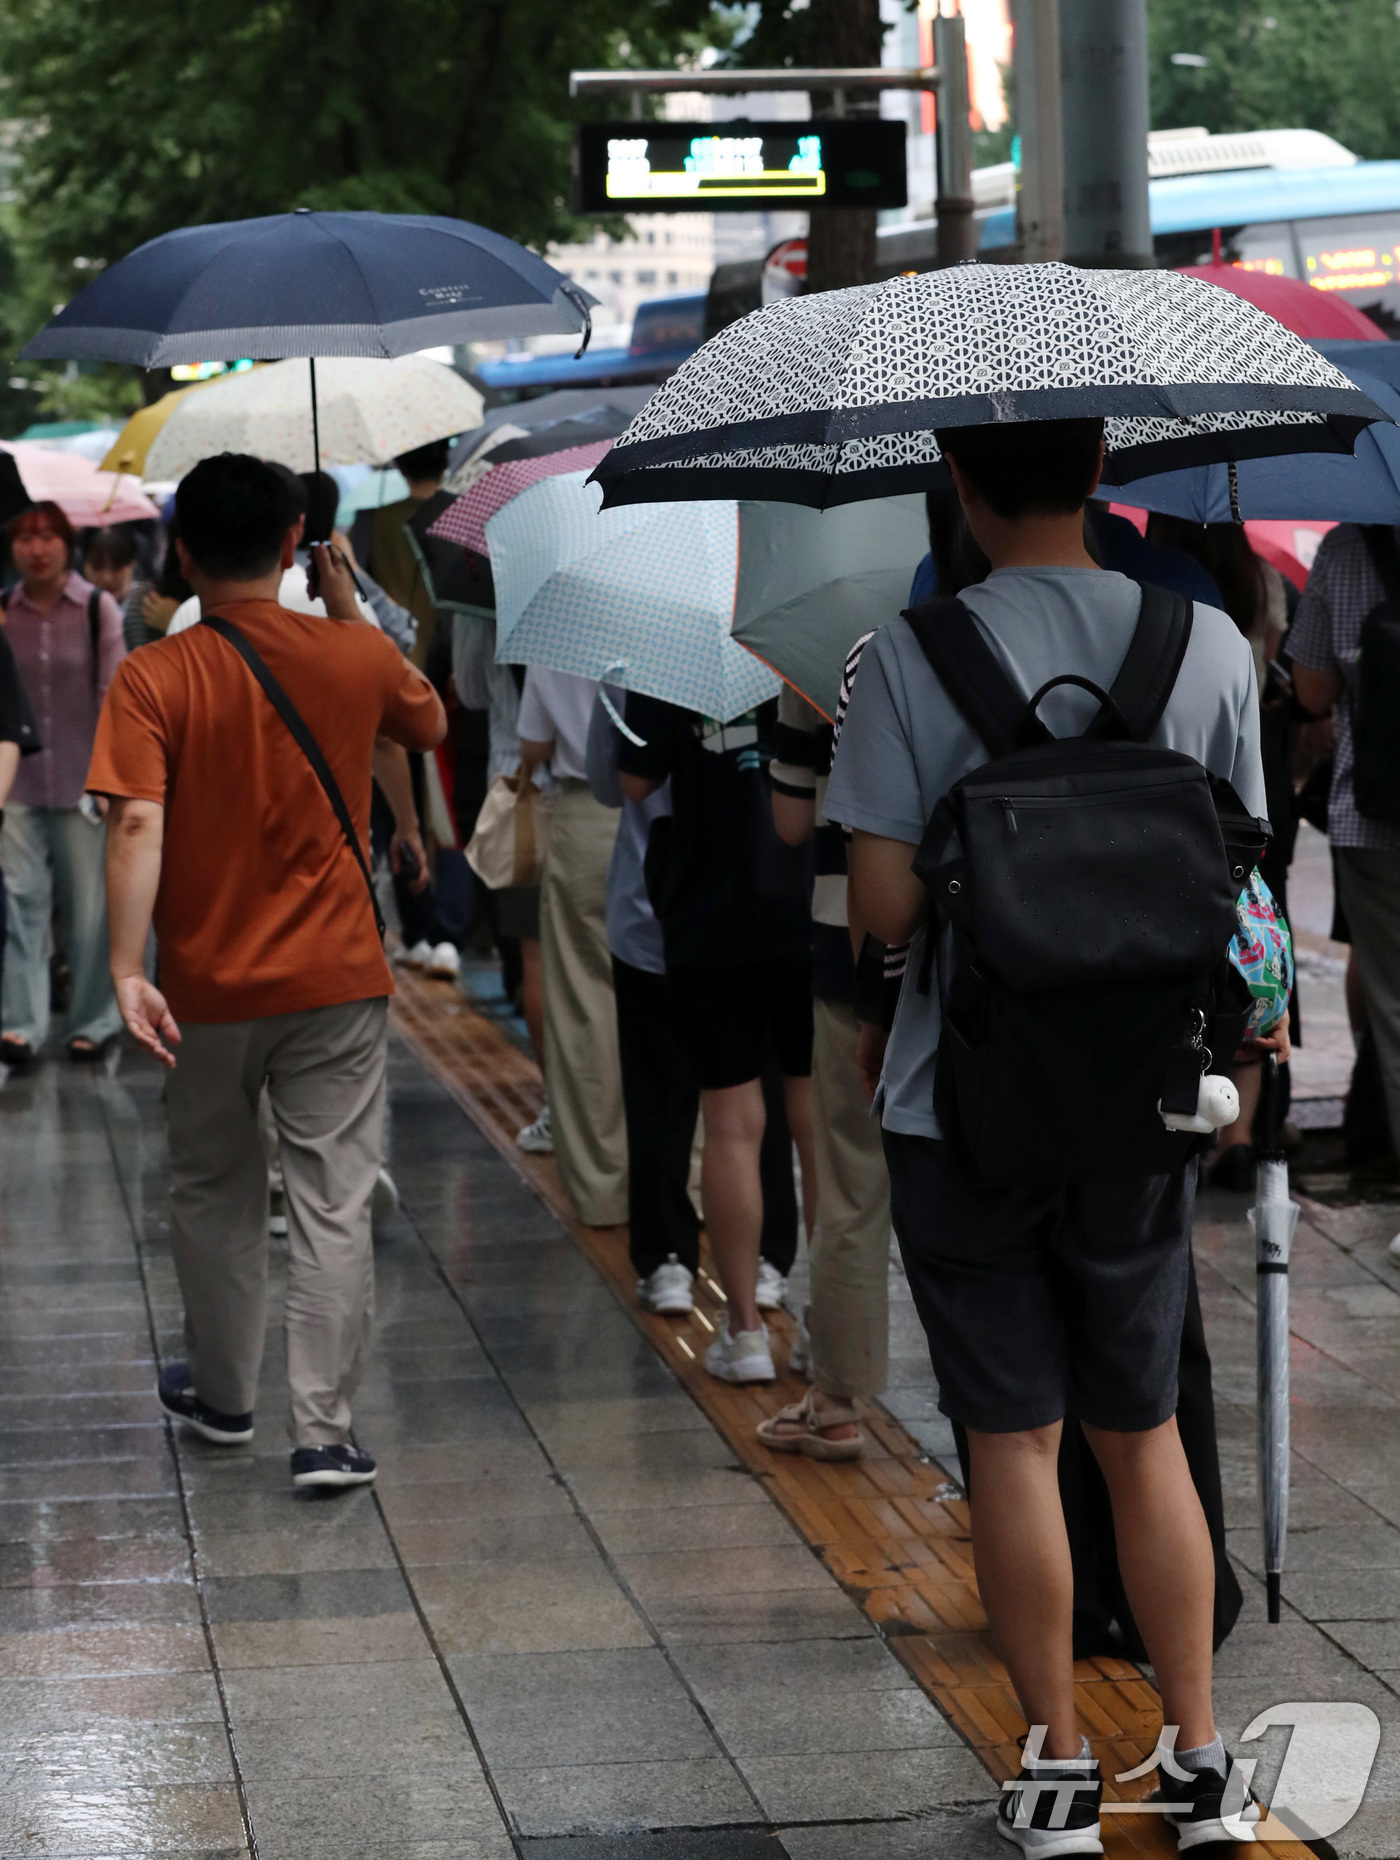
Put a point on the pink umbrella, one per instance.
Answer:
(85, 495)
(464, 522)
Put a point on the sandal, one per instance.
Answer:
(14, 1051)
(797, 1429)
(86, 1052)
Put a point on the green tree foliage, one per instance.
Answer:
(131, 120)
(1332, 65)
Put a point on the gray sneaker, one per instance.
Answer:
(744, 1357)
(537, 1139)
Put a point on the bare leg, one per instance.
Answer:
(797, 1102)
(1168, 1570)
(532, 993)
(1025, 1575)
(733, 1195)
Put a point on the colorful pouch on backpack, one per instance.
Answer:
(1262, 951)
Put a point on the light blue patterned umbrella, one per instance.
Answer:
(642, 596)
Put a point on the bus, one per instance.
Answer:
(1287, 201)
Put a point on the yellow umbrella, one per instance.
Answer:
(133, 442)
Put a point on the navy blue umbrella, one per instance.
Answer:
(308, 283)
(1318, 486)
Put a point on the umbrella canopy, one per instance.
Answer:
(1362, 489)
(85, 495)
(642, 597)
(307, 283)
(1298, 306)
(369, 410)
(615, 405)
(129, 448)
(503, 474)
(810, 583)
(827, 399)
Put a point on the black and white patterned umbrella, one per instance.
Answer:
(828, 399)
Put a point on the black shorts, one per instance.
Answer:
(1039, 1303)
(726, 1020)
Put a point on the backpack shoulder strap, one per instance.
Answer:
(1149, 671)
(971, 674)
(305, 741)
(1384, 552)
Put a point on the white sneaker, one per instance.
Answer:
(537, 1139)
(277, 1216)
(416, 958)
(385, 1202)
(744, 1357)
(1394, 1248)
(445, 962)
(772, 1288)
(667, 1290)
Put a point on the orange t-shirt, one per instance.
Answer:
(262, 907)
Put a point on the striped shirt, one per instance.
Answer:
(54, 652)
(1326, 635)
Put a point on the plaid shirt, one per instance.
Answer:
(1326, 635)
(54, 653)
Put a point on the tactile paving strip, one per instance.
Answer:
(886, 1525)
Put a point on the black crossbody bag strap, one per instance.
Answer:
(1148, 673)
(95, 636)
(307, 744)
(970, 672)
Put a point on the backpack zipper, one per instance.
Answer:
(1004, 802)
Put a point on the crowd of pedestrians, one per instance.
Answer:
(726, 959)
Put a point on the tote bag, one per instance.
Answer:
(512, 830)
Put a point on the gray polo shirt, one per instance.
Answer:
(904, 743)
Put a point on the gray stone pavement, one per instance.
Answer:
(566, 1624)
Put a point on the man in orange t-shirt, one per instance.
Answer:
(271, 968)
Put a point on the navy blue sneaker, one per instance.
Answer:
(175, 1392)
(332, 1466)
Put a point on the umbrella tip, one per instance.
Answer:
(1273, 1580)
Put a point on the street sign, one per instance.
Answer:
(739, 167)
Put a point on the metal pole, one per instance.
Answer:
(957, 230)
(1103, 53)
(1040, 185)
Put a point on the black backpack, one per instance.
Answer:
(1091, 885)
(1375, 729)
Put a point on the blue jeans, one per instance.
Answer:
(48, 850)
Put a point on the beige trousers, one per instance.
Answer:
(324, 1073)
(580, 1015)
(850, 1315)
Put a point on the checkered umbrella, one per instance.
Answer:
(833, 398)
(498, 477)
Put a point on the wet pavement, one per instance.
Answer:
(567, 1623)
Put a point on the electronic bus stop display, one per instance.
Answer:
(740, 167)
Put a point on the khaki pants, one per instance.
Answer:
(583, 1071)
(850, 1316)
(324, 1072)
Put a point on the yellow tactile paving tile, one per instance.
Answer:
(886, 1527)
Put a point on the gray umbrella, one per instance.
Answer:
(1274, 1217)
(811, 584)
(833, 398)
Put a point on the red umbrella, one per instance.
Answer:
(1307, 312)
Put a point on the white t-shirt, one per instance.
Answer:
(292, 594)
(558, 707)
